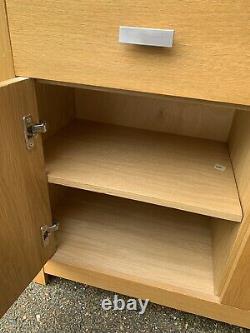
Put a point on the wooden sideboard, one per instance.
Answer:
(144, 166)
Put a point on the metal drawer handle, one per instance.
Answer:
(146, 36)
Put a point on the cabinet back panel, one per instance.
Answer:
(196, 119)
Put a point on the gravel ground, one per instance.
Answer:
(65, 306)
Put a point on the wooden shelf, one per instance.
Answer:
(163, 169)
(118, 244)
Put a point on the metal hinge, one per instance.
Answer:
(31, 129)
(47, 230)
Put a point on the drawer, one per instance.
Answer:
(77, 41)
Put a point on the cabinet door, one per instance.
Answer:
(24, 200)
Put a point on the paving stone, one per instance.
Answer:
(69, 307)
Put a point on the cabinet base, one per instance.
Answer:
(208, 307)
(41, 278)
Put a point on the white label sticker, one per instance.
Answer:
(220, 167)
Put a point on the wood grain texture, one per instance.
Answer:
(78, 42)
(92, 224)
(23, 194)
(196, 119)
(235, 285)
(41, 278)
(229, 106)
(56, 195)
(224, 235)
(56, 105)
(6, 59)
(208, 307)
(153, 167)
(135, 242)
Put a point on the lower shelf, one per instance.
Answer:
(139, 250)
(127, 242)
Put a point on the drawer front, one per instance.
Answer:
(77, 41)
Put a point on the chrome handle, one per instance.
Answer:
(146, 36)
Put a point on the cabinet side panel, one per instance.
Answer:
(6, 60)
(223, 235)
(235, 288)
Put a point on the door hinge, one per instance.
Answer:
(31, 130)
(47, 230)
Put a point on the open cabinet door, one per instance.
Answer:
(24, 199)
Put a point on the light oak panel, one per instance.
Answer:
(88, 219)
(41, 278)
(229, 106)
(159, 168)
(23, 194)
(235, 282)
(209, 307)
(191, 118)
(6, 59)
(224, 235)
(61, 41)
(56, 105)
(56, 194)
(135, 241)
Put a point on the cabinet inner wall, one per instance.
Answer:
(195, 119)
(59, 105)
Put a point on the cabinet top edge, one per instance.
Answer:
(12, 81)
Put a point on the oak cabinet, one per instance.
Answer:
(149, 191)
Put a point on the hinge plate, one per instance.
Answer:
(46, 232)
(31, 129)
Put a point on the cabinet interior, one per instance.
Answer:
(146, 188)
